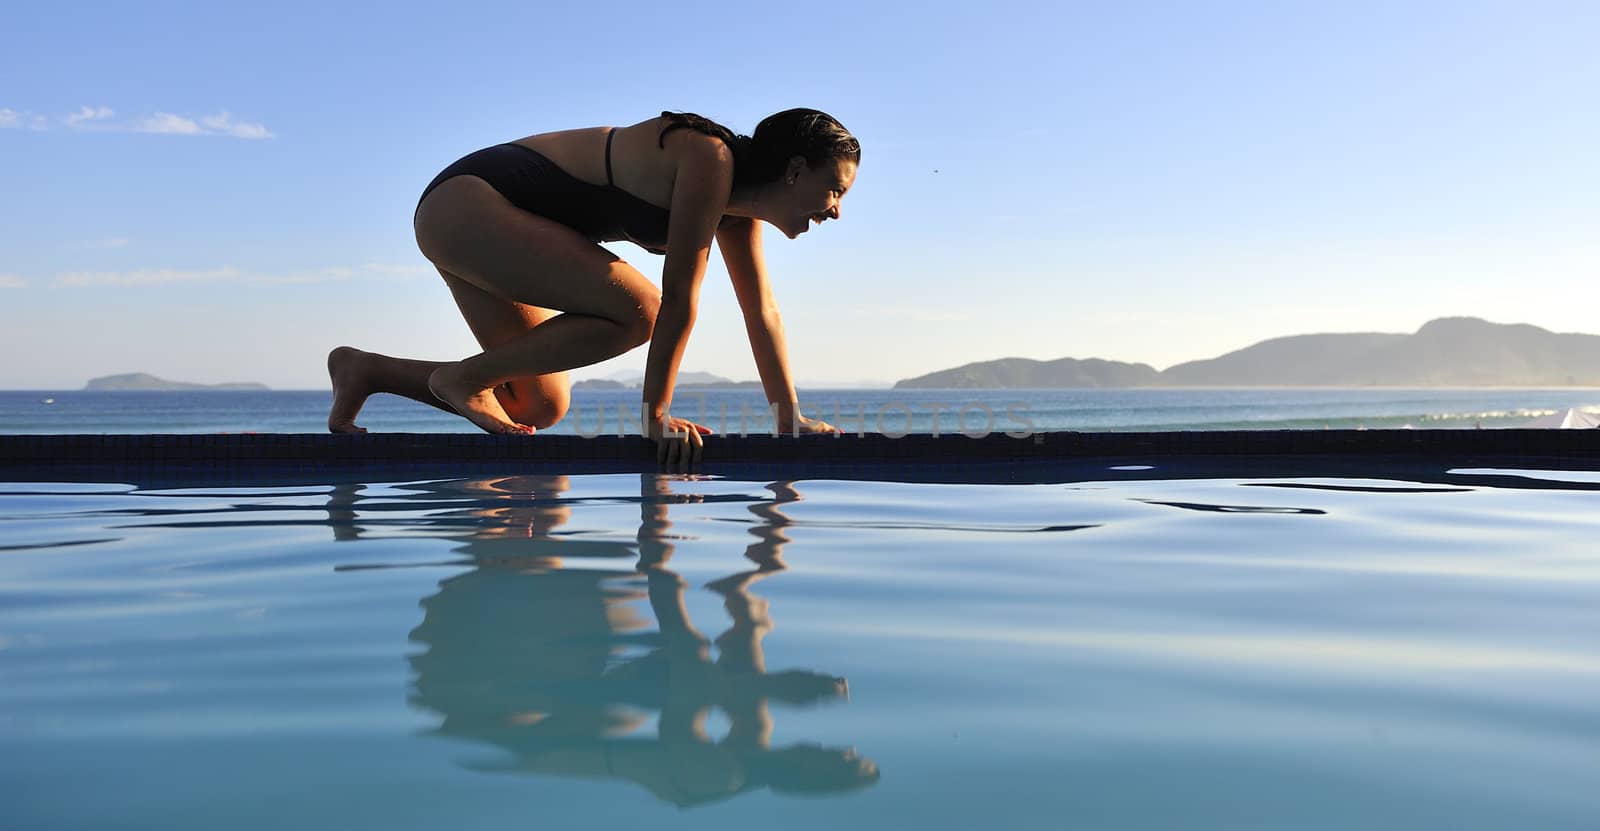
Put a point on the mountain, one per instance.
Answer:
(1025, 372)
(144, 381)
(1451, 351)
(599, 384)
(686, 380)
(1310, 360)
(698, 379)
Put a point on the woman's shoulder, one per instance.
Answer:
(658, 146)
(676, 136)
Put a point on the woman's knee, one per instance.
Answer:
(631, 302)
(537, 402)
(640, 321)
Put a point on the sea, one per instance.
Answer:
(886, 411)
(1176, 644)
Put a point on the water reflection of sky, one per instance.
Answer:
(1128, 650)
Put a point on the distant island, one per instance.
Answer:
(1448, 352)
(143, 381)
(685, 381)
(600, 384)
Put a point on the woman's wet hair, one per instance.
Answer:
(761, 158)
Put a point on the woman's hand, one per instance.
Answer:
(807, 426)
(680, 443)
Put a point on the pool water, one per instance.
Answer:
(626, 651)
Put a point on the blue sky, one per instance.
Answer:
(218, 192)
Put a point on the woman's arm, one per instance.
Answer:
(699, 197)
(739, 239)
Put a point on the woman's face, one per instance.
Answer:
(814, 196)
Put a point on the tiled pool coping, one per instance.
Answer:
(1041, 457)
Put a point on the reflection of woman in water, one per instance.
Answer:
(556, 665)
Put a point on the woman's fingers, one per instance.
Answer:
(695, 445)
(681, 443)
(817, 426)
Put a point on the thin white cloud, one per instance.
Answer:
(320, 275)
(87, 115)
(145, 277)
(335, 273)
(223, 123)
(15, 120)
(103, 119)
(12, 281)
(399, 270)
(167, 276)
(167, 123)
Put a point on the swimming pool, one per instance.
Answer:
(1141, 644)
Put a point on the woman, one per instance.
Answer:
(513, 230)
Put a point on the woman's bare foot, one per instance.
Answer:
(480, 406)
(350, 389)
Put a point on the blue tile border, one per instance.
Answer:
(870, 449)
(1056, 456)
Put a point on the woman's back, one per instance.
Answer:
(638, 164)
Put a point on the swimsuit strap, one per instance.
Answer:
(609, 134)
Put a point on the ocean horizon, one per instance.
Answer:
(887, 411)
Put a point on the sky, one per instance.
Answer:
(216, 192)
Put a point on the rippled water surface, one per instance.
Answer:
(646, 651)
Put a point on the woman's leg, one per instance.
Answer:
(502, 262)
(356, 375)
(535, 400)
(607, 307)
(538, 401)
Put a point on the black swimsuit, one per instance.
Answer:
(537, 185)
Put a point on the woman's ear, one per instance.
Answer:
(792, 172)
